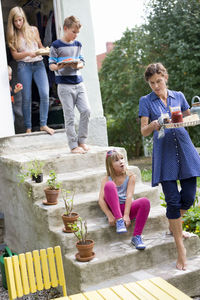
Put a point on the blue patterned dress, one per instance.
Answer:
(174, 155)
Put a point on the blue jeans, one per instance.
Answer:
(27, 71)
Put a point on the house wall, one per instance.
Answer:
(63, 8)
(82, 10)
(6, 117)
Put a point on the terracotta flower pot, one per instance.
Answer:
(69, 220)
(51, 196)
(85, 251)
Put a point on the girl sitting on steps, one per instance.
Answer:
(116, 199)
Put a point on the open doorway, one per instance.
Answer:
(40, 13)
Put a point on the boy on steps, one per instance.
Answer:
(66, 60)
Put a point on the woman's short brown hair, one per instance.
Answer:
(156, 68)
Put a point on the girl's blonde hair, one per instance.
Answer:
(112, 156)
(12, 32)
(9, 70)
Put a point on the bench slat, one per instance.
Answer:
(108, 294)
(123, 292)
(93, 295)
(139, 291)
(169, 288)
(154, 290)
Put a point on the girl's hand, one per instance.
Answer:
(18, 87)
(111, 220)
(127, 220)
(32, 54)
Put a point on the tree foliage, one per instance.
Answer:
(122, 84)
(170, 35)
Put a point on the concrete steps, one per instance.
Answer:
(99, 229)
(38, 226)
(187, 281)
(121, 258)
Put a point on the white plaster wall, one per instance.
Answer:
(6, 117)
(82, 10)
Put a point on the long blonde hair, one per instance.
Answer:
(112, 156)
(13, 39)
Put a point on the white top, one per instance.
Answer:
(25, 47)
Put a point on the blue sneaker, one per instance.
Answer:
(120, 226)
(137, 242)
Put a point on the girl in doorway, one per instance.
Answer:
(23, 41)
(116, 199)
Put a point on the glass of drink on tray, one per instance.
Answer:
(176, 114)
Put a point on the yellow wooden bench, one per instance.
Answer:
(148, 289)
(38, 270)
(34, 271)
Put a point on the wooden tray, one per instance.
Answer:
(182, 124)
(69, 61)
(42, 51)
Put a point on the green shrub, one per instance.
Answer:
(191, 220)
(146, 175)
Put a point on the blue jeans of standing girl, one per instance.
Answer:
(26, 72)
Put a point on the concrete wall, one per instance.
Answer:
(6, 117)
(1, 228)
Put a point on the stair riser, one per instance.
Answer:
(80, 185)
(104, 233)
(60, 161)
(91, 210)
(152, 194)
(68, 163)
(130, 262)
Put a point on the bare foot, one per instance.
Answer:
(181, 261)
(84, 146)
(28, 130)
(185, 234)
(47, 129)
(78, 150)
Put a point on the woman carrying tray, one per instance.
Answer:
(174, 155)
(24, 41)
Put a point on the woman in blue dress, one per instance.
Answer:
(174, 155)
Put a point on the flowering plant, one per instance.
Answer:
(191, 220)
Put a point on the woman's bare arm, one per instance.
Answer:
(147, 128)
(20, 55)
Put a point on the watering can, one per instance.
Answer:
(195, 109)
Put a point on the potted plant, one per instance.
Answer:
(53, 189)
(68, 217)
(36, 170)
(33, 170)
(84, 245)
